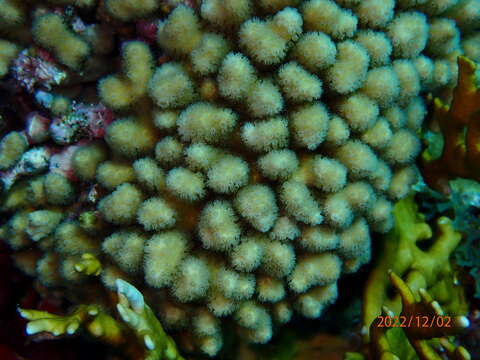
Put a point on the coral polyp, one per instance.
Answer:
(231, 159)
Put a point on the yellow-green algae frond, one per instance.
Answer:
(137, 316)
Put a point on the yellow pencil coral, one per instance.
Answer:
(110, 174)
(8, 51)
(120, 207)
(128, 10)
(86, 159)
(50, 31)
(140, 140)
(170, 86)
(58, 190)
(126, 249)
(254, 148)
(12, 146)
(120, 91)
(13, 13)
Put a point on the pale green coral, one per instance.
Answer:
(51, 32)
(12, 146)
(91, 317)
(263, 142)
(134, 312)
(141, 319)
(8, 51)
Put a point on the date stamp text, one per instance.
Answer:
(418, 321)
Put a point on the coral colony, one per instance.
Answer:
(229, 159)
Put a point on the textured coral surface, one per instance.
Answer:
(241, 154)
